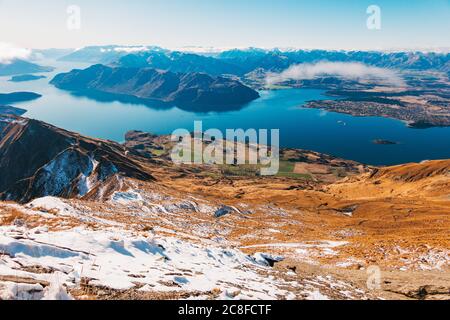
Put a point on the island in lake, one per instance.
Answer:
(384, 142)
(11, 98)
(18, 66)
(26, 77)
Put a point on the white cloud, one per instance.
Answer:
(9, 52)
(346, 70)
(201, 49)
(131, 49)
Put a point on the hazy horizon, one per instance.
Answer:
(323, 24)
(205, 49)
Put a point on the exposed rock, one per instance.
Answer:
(223, 211)
(267, 259)
(348, 211)
(37, 160)
(426, 292)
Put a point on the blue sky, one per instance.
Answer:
(338, 24)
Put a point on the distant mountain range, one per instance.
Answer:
(276, 60)
(51, 53)
(152, 57)
(179, 62)
(193, 90)
(239, 62)
(105, 54)
(19, 66)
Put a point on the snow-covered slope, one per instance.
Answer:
(56, 249)
(119, 260)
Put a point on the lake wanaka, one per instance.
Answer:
(313, 129)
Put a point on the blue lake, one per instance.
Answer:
(337, 134)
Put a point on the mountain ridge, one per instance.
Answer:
(192, 89)
(37, 159)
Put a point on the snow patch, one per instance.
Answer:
(20, 291)
(126, 198)
(52, 204)
(316, 295)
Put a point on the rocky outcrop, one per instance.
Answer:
(37, 159)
